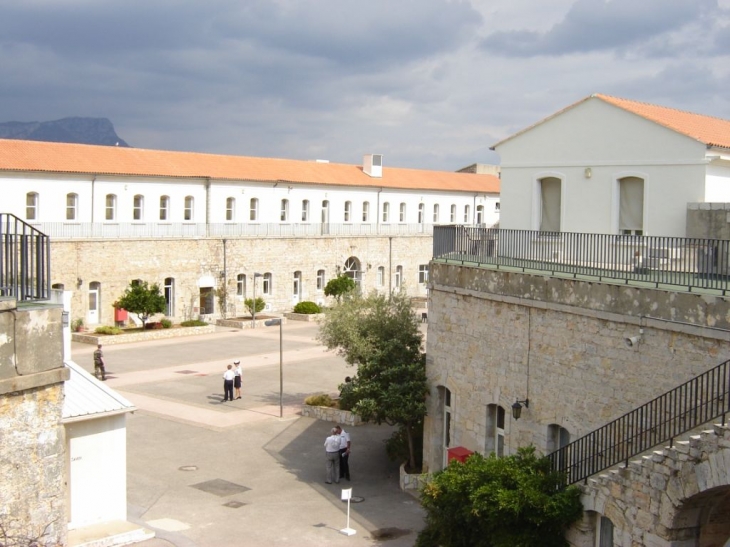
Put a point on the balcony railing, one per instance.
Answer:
(25, 260)
(689, 263)
(678, 411)
(160, 230)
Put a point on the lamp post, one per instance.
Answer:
(253, 308)
(272, 323)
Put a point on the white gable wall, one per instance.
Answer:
(718, 182)
(612, 143)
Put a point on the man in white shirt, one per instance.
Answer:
(228, 377)
(332, 452)
(345, 446)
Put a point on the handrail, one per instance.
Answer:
(682, 409)
(690, 263)
(25, 260)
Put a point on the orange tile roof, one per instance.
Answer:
(705, 129)
(18, 155)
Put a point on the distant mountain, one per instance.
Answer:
(75, 130)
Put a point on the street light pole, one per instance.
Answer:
(271, 323)
(253, 308)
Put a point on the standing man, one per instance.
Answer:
(99, 370)
(228, 377)
(344, 452)
(237, 378)
(332, 453)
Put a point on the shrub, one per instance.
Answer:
(166, 323)
(307, 308)
(153, 326)
(319, 400)
(194, 323)
(260, 304)
(108, 330)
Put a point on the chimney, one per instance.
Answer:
(372, 164)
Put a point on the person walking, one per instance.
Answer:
(332, 453)
(237, 378)
(228, 377)
(99, 369)
(345, 446)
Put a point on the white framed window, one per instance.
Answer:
(380, 279)
(445, 396)
(421, 210)
(631, 206)
(325, 212)
(284, 210)
(452, 216)
(550, 204)
(253, 209)
(268, 283)
(494, 438)
(435, 213)
(467, 214)
(164, 207)
(138, 207)
(402, 217)
(604, 531)
(31, 206)
(398, 277)
(241, 285)
(496, 207)
(321, 280)
(72, 203)
(111, 207)
(366, 211)
(169, 289)
(423, 273)
(189, 211)
(230, 208)
(297, 285)
(386, 212)
(348, 211)
(305, 210)
(480, 214)
(557, 438)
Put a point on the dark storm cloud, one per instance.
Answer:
(594, 25)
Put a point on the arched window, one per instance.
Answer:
(348, 211)
(421, 212)
(164, 207)
(169, 296)
(305, 210)
(111, 207)
(57, 286)
(241, 285)
(297, 285)
(436, 213)
(31, 206)
(557, 438)
(254, 208)
(381, 276)
(386, 212)
(353, 269)
(72, 203)
(189, 211)
(321, 280)
(284, 210)
(325, 212)
(268, 283)
(467, 214)
(494, 438)
(366, 211)
(230, 208)
(453, 214)
(402, 212)
(480, 214)
(398, 277)
(138, 207)
(604, 531)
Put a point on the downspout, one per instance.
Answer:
(377, 211)
(93, 189)
(390, 265)
(207, 207)
(225, 279)
(474, 211)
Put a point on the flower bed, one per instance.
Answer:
(140, 336)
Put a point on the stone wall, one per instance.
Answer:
(496, 337)
(114, 263)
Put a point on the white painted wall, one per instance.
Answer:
(612, 143)
(97, 452)
(718, 182)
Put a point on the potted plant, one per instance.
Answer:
(77, 325)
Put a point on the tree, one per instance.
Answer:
(515, 501)
(339, 286)
(142, 299)
(260, 304)
(380, 335)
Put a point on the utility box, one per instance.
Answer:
(459, 453)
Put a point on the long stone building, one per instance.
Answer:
(212, 230)
(595, 322)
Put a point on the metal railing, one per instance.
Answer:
(25, 260)
(694, 403)
(161, 230)
(683, 262)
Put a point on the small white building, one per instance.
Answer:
(613, 166)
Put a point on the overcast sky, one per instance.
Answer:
(429, 84)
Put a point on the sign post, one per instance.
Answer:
(347, 495)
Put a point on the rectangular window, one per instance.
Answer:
(402, 217)
(111, 206)
(284, 210)
(188, 213)
(366, 211)
(268, 284)
(320, 280)
(230, 209)
(71, 204)
(164, 207)
(631, 206)
(241, 285)
(386, 212)
(207, 300)
(348, 211)
(494, 439)
(305, 210)
(453, 214)
(467, 214)
(138, 207)
(398, 277)
(421, 208)
(381, 276)
(436, 213)
(254, 214)
(423, 273)
(31, 206)
(550, 204)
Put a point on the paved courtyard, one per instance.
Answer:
(203, 472)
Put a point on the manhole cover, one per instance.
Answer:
(188, 468)
(234, 504)
(356, 499)
(384, 534)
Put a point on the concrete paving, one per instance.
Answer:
(203, 472)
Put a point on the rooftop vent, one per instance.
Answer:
(372, 164)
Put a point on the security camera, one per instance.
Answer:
(631, 342)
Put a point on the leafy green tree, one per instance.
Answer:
(339, 286)
(260, 304)
(142, 299)
(515, 501)
(380, 335)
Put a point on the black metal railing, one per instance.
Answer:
(694, 403)
(670, 261)
(25, 260)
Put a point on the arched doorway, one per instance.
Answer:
(353, 269)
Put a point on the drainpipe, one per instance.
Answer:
(377, 211)
(390, 266)
(207, 206)
(225, 279)
(93, 188)
(474, 210)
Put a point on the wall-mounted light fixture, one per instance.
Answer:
(517, 408)
(79, 282)
(223, 273)
(588, 173)
(632, 341)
